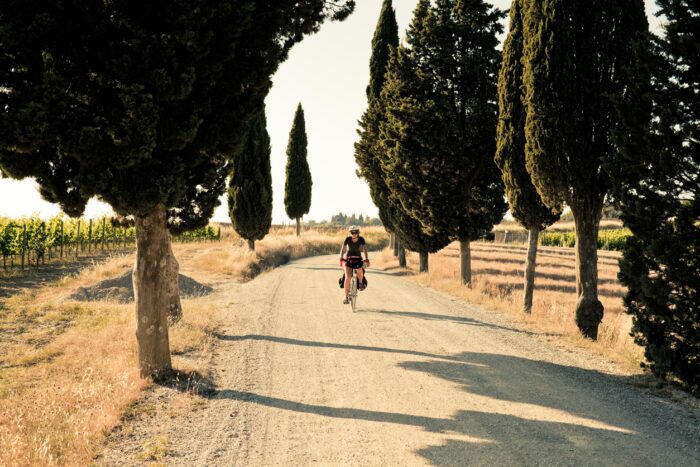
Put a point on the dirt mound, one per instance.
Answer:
(121, 289)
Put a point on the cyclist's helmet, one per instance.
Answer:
(354, 229)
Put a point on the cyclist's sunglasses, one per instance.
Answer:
(354, 232)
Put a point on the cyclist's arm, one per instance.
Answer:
(366, 252)
(342, 250)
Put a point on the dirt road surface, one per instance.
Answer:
(412, 378)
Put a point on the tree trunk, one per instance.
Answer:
(402, 254)
(251, 245)
(395, 245)
(298, 227)
(465, 264)
(423, 266)
(152, 272)
(173, 287)
(589, 310)
(529, 287)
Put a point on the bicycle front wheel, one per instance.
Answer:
(353, 292)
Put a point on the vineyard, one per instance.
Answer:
(32, 241)
(608, 239)
(612, 239)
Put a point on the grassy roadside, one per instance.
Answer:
(497, 284)
(279, 248)
(68, 370)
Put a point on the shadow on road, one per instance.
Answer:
(285, 340)
(523, 412)
(453, 319)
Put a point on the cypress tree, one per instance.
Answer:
(392, 168)
(297, 188)
(572, 53)
(250, 186)
(386, 38)
(659, 194)
(441, 125)
(526, 205)
(137, 104)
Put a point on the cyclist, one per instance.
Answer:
(354, 246)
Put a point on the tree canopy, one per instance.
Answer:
(139, 104)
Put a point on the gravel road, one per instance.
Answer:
(412, 378)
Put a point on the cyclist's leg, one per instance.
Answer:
(360, 275)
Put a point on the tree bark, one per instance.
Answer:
(465, 263)
(172, 284)
(423, 266)
(529, 287)
(251, 245)
(589, 310)
(395, 245)
(298, 227)
(402, 254)
(152, 292)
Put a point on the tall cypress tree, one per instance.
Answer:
(250, 186)
(658, 190)
(395, 162)
(386, 38)
(441, 123)
(297, 188)
(137, 104)
(526, 206)
(573, 51)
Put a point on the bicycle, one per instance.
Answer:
(352, 293)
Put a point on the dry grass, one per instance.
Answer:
(281, 246)
(68, 370)
(498, 283)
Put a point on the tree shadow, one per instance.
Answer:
(33, 278)
(517, 287)
(541, 275)
(314, 268)
(289, 341)
(192, 382)
(396, 271)
(593, 428)
(448, 318)
(522, 413)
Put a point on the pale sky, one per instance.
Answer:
(328, 73)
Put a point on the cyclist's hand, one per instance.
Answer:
(342, 260)
(367, 262)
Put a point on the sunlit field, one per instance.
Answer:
(498, 284)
